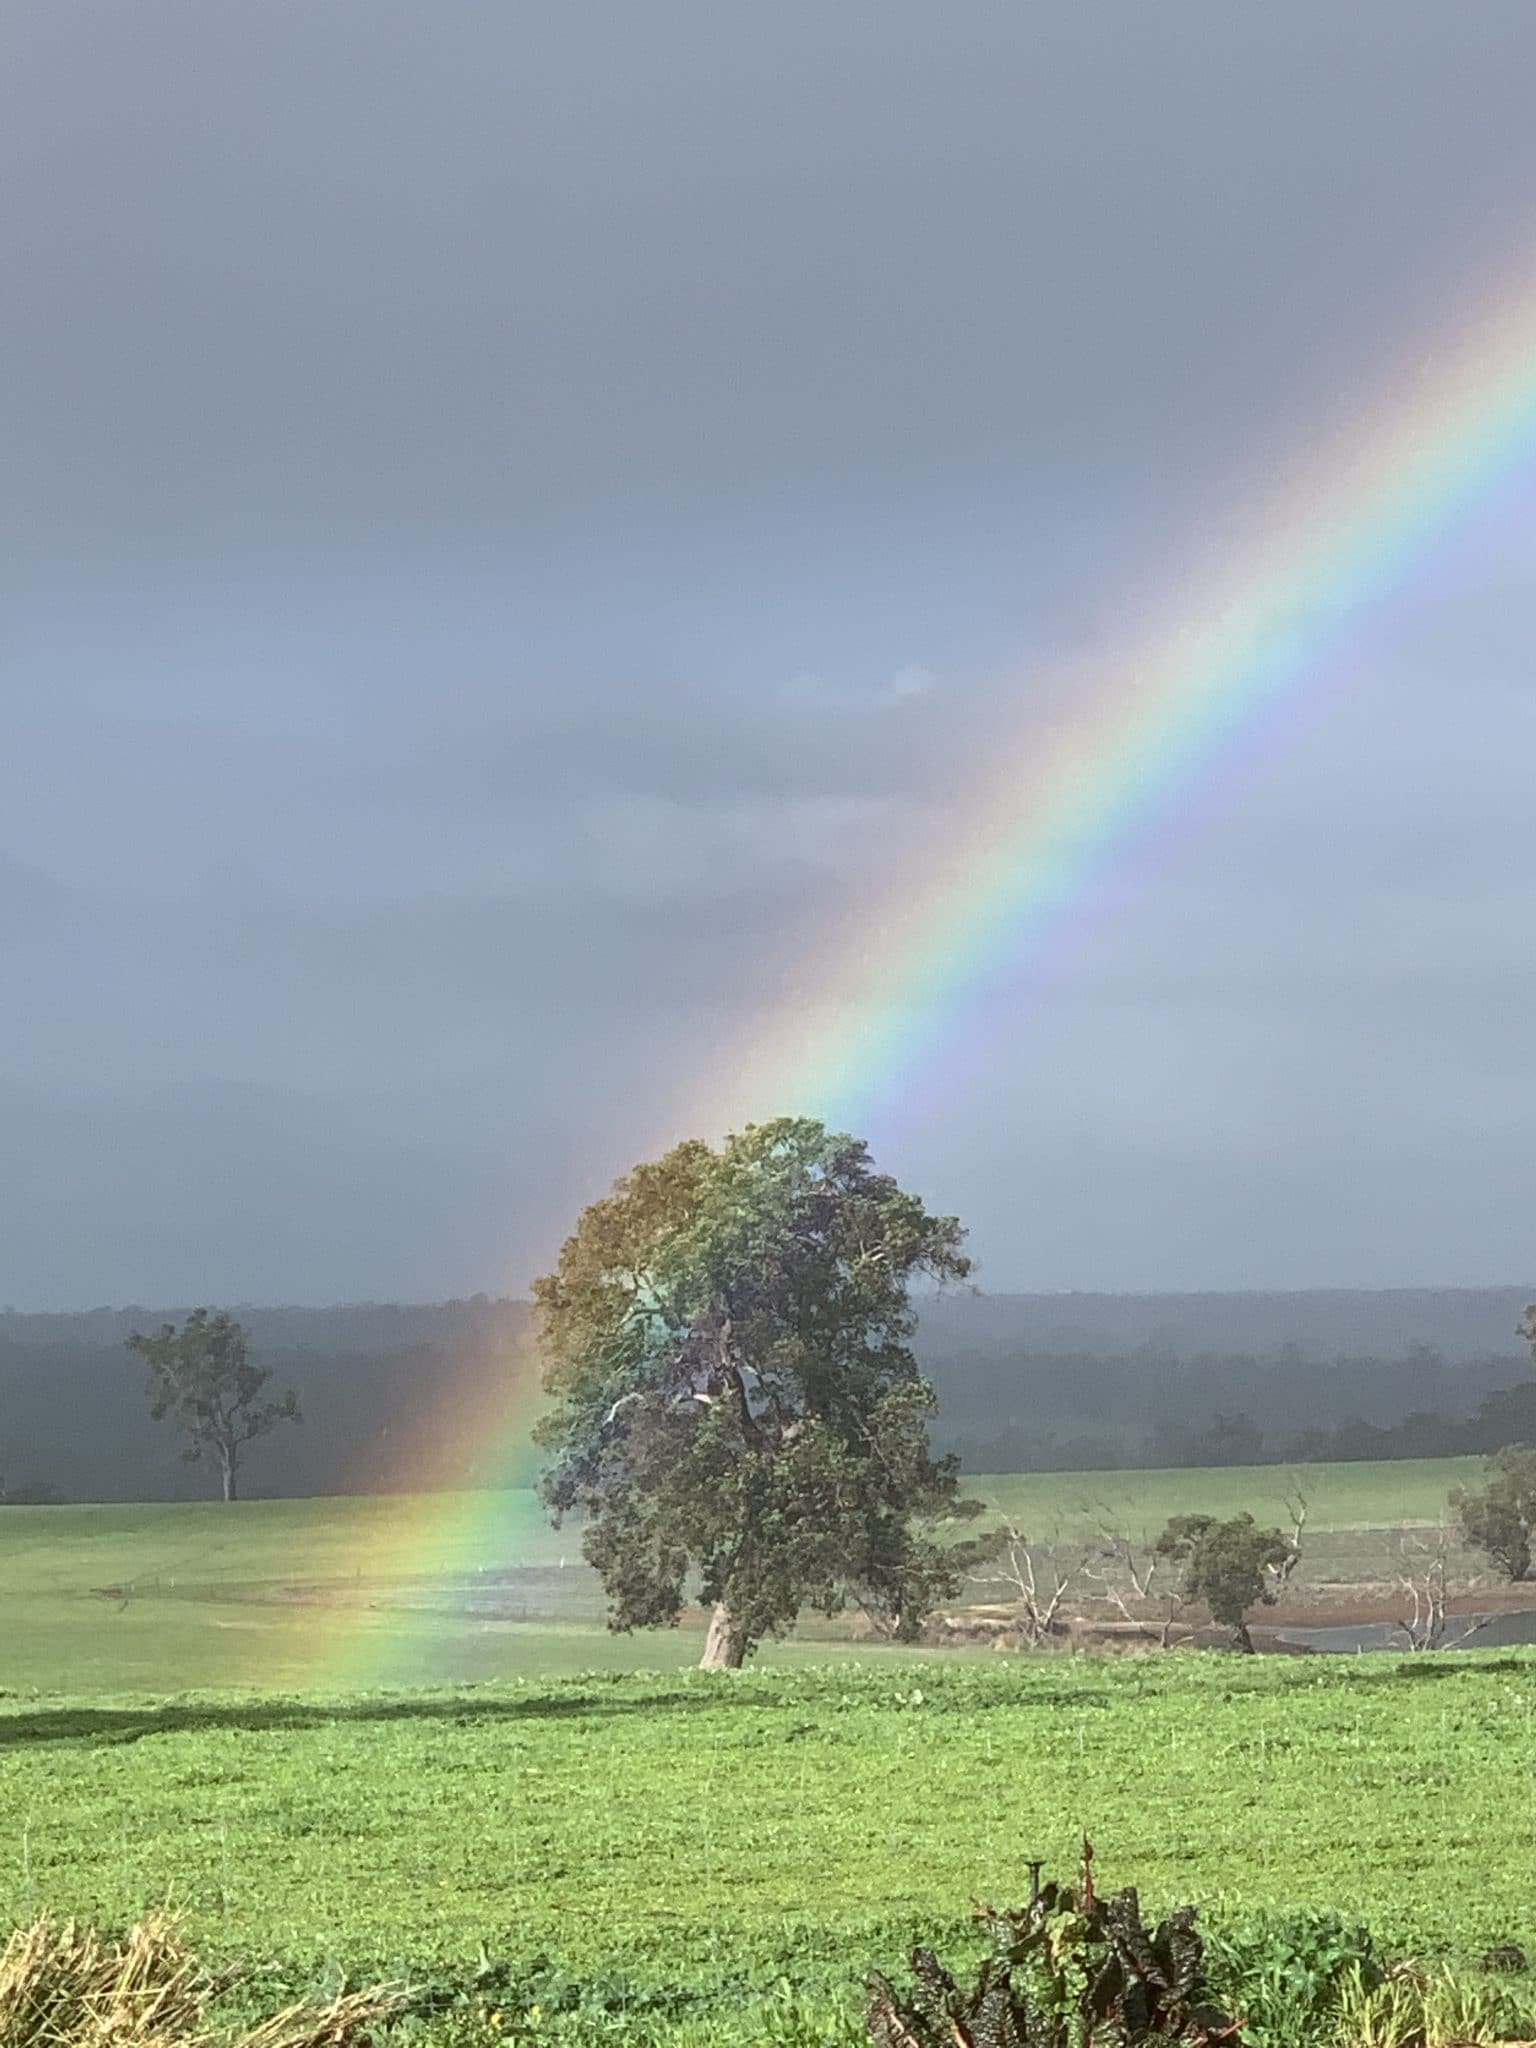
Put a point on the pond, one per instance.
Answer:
(1493, 1632)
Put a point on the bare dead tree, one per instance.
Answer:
(1126, 1571)
(1280, 1574)
(1423, 1580)
(1034, 1583)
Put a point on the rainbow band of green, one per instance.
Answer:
(1057, 809)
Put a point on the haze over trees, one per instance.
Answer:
(202, 1379)
(736, 1407)
(393, 1394)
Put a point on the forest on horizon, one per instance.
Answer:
(394, 1395)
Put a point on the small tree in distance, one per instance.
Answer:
(1499, 1518)
(735, 1405)
(1425, 1581)
(1231, 1566)
(1034, 1579)
(201, 1378)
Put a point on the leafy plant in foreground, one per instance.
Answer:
(1071, 1970)
(1285, 1974)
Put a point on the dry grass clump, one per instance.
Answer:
(66, 1987)
(1414, 2007)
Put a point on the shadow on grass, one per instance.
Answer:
(104, 1726)
(93, 1727)
(101, 1726)
(1433, 1666)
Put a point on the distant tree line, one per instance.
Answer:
(1508, 1415)
(393, 1396)
(1222, 1436)
(30, 1493)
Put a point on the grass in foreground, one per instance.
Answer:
(65, 1987)
(689, 1833)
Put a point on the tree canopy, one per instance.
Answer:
(735, 1404)
(1499, 1517)
(1229, 1565)
(202, 1379)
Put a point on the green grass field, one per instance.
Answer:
(219, 1708)
(702, 1831)
(1342, 1499)
(284, 1594)
(1356, 1514)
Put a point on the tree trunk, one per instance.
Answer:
(1244, 1640)
(228, 1474)
(725, 1648)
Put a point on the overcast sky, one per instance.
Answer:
(510, 512)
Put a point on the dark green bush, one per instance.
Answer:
(1071, 1970)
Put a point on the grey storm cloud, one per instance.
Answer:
(384, 272)
(517, 522)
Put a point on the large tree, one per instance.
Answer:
(202, 1379)
(734, 1402)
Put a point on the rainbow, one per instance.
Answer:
(1055, 807)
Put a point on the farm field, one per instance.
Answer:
(1343, 1499)
(410, 1590)
(1357, 1514)
(680, 1844)
(348, 1736)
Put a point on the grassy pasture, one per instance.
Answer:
(278, 1594)
(1356, 1513)
(715, 1831)
(267, 1715)
(285, 1594)
(1343, 1499)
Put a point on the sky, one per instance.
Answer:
(513, 516)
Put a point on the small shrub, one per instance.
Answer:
(1071, 1969)
(1285, 1974)
(1500, 1518)
(1230, 1565)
